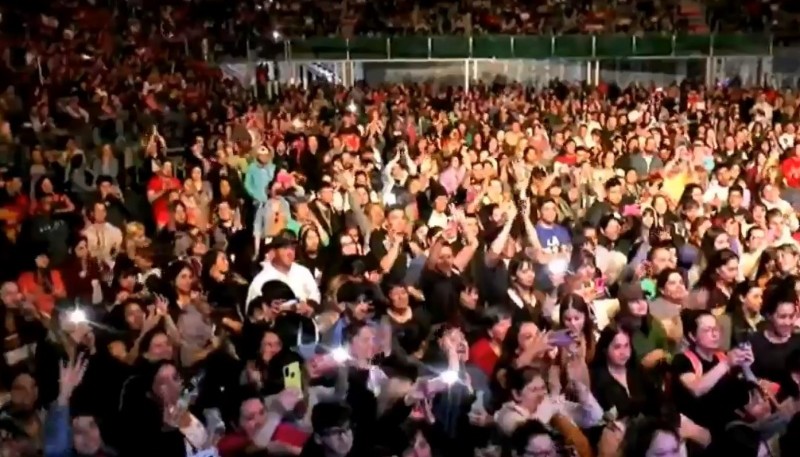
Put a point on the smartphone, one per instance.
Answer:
(291, 376)
(561, 338)
(289, 305)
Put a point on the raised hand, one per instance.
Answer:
(69, 377)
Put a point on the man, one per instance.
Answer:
(257, 179)
(110, 195)
(102, 238)
(333, 435)
(610, 204)
(280, 265)
(329, 220)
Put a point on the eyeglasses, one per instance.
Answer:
(336, 431)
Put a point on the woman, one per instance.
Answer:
(717, 281)
(649, 339)
(201, 186)
(152, 404)
(106, 165)
(714, 240)
(265, 373)
(192, 314)
(81, 179)
(160, 188)
(574, 316)
(228, 228)
(531, 401)
(744, 311)
(62, 204)
(42, 284)
(410, 325)
(671, 295)
(777, 339)
(521, 297)
(617, 380)
(311, 254)
(82, 275)
(226, 289)
(197, 209)
(487, 350)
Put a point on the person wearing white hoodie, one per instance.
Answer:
(532, 401)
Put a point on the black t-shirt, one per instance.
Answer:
(717, 407)
(770, 358)
(441, 294)
(379, 247)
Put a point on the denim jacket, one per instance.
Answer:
(58, 432)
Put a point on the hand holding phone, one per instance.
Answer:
(561, 338)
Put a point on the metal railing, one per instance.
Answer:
(537, 47)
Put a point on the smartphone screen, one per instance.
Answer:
(291, 376)
(561, 338)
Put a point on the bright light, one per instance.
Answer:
(352, 107)
(297, 123)
(276, 35)
(449, 377)
(340, 355)
(77, 316)
(558, 266)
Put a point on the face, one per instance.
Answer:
(337, 441)
(362, 346)
(285, 255)
(525, 275)
(787, 260)
(312, 241)
(99, 213)
(527, 331)
(419, 447)
(707, 336)
(445, 261)
(499, 330)
(661, 260)
(270, 345)
(729, 271)
(532, 394)
(574, 321)
(184, 280)
(160, 348)
(86, 435)
(11, 295)
(664, 444)
(615, 195)
(252, 416)
(24, 393)
(638, 308)
(397, 221)
(179, 214)
(134, 316)
(619, 351)
(782, 321)
(455, 338)
(399, 298)
(722, 242)
(42, 261)
(167, 385)
(675, 288)
(221, 263)
(754, 299)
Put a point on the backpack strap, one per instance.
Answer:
(697, 366)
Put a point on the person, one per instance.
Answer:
(703, 386)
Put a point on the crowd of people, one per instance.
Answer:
(405, 270)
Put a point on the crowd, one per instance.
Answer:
(405, 270)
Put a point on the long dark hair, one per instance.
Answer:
(708, 277)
